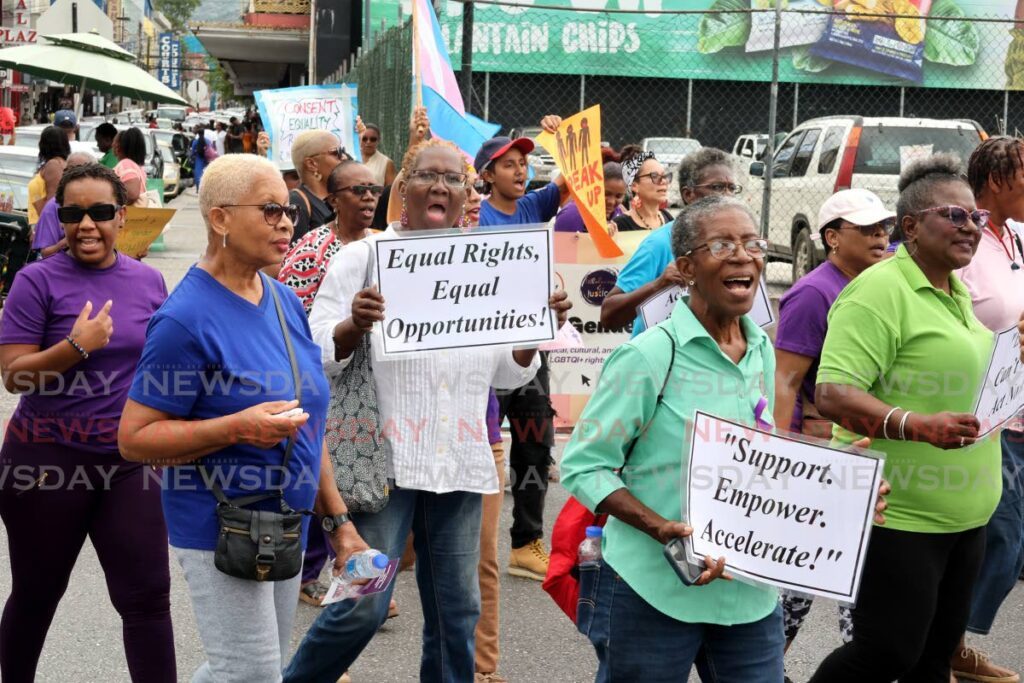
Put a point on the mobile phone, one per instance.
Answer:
(680, 556)
(290, 413)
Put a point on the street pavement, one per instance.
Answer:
(538, 643)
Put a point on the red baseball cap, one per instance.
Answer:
(496, 147)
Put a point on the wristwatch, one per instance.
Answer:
(329, 524)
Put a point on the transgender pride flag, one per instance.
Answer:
(440, 90)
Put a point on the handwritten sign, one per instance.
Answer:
(465, 289)
(1002, 392)
(576, 146)
(781, 510)
(658, 306)
(141, 228)
(286, 112)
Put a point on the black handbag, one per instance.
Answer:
(260, 545)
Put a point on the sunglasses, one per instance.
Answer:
(370, 139)
(657, 178)
(724, 249)
(272, 211)
(480, 187)
(455, 181)
(958, 215)
(338, 153)
(360, 190)
(720, 188)
(99, 213)
(887, 226)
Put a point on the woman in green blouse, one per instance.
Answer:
(903, 362)
(646, 625)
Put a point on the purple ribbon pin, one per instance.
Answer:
(759, 409)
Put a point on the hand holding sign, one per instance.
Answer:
(560, 304)
(1002, 393)
(367, 308)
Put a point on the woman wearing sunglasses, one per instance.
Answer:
(216, 386)
(381, 166)
(903, 361)
(854, 226)
(315, 153)
(73, 331)
(648, 182)
(440, 474)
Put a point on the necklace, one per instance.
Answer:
(1009, 252)
(643, 221)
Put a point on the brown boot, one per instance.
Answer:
(974, 665)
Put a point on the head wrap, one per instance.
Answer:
(631, 166)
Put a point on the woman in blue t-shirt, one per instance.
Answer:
(214, 379)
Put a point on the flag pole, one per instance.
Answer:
(417, 67)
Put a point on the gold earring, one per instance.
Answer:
(692, 283)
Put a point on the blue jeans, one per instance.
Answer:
(1004, 551)
(636, 642)
(446, 537)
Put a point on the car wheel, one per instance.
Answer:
(803, 254)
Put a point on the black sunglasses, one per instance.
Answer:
(480, 186)
(888, 226)
(272, 211)
(365, 139)
(338, 153)
(99, 213)
(360, 190)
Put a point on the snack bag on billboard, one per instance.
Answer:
(886, 36)
(805, 26)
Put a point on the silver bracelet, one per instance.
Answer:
(885, 422)
(903, 422)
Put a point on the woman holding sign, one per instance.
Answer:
(440, 471)
(645, 624)
(903, 362)
(73, 331)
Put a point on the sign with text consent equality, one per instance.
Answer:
(782, 511)
(465, 290)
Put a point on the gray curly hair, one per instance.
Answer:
(686, 230)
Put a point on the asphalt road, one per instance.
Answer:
(538, 643)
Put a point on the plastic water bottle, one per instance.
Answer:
(366, 564)
(590, 548)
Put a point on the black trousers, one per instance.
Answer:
(914, 601)
(531, 419)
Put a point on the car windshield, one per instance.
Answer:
(671, 146)
(167, 154)
(18, 164)
(172, 113)
(16, 186)
(883, 149)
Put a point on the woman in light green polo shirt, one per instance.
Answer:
(903, 362)
(646, 625)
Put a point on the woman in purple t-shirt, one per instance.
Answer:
(854, 226)
(73, 330)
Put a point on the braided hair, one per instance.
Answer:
(999, 158)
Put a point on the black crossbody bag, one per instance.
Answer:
(260, 545)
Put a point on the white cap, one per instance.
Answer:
(860, 207)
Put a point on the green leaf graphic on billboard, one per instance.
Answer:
(724, 28)
(805, 61)
(951, 40)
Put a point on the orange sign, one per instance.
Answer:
(576, 146)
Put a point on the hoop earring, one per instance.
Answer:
(912, 254)
(692, 283)
(318, 176)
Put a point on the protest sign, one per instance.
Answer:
(465, 289)
(141, 228)
(587, 277)
(1002, 392)
(576, 147)
(780, 510)
(658, 306)
(286, 112)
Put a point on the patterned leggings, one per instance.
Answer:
(796, 606)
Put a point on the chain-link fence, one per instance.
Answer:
(862, 87)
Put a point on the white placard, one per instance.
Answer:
(465, 289)
(658, 306)
(286, 112)
(1002, 392)
(782, 511)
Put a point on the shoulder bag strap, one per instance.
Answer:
(661, 395)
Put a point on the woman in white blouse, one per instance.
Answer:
(433, 410)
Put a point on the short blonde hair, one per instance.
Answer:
(310, 142)
(229, 179)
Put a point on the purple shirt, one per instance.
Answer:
(49, 231)
(84, 407)
(803, 322)
(493, 420)
(569, 219)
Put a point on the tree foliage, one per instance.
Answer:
(178, 12)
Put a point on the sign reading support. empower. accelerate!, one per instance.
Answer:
(465, 289)
(780, 510)
(289, 111)
(1002, 392)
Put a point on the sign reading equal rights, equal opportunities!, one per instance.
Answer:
(1002, 392)
(286, 112)
(465, 289)
(781, 510)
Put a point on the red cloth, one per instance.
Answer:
(562, 581)
(7, 120)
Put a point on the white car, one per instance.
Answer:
(17, 167)
(172, 172)
(750, 146)
(825, 155)
(670, 151)
(28, 138)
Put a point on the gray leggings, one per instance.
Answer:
(245, 626)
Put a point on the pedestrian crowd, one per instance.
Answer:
(283, 443)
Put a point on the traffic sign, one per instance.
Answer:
(197, 91)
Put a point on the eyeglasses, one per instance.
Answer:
(887, 226)
(370, 139)
(958, 215)
(360, 190)
(719, 188)
(99, 213)
(725, 249)
(455, 181)
(338, 153)
(480, 187)
(272, 211)
(657, 178)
